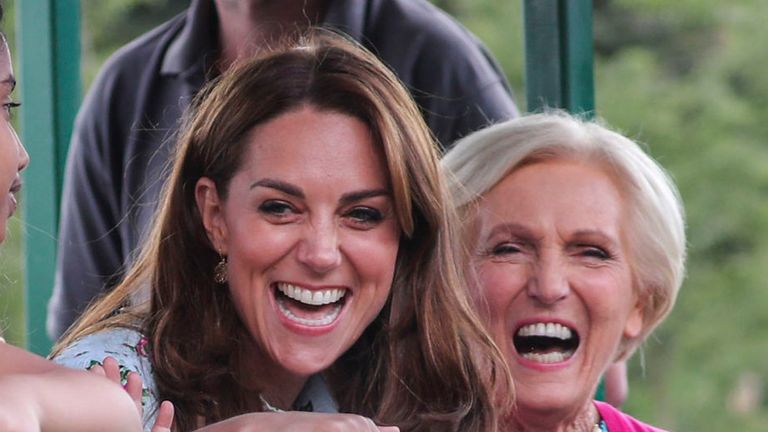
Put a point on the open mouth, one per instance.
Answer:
(546, 342)
(313, 308)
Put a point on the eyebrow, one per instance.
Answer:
(593, 233)
(347, 198)
(281, 186)
(351, 197)
(509, 227)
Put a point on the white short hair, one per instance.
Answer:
(656, 231)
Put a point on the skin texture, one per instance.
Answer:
(551, 247)
(310, 206)
(38, 395)
(13, 156)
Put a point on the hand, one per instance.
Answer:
(164, 418)
(110, 369)
(294, 421)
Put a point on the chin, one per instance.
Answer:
(307, 363)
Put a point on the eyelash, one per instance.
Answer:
(365, 215)
(276, 208)
(505, 249)
(10, 106)
(596, 252)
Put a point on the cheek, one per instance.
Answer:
(373, 253)
(499, 285)
(257, 244)
(610, 295)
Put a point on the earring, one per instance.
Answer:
(220, 271)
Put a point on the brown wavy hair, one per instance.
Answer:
(423, 364)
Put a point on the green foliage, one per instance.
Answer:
(705, 123)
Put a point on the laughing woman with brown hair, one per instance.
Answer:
(302, 260)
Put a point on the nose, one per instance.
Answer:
(319, 249)
(23, 155)
(548, 283)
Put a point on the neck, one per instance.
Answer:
(266, 379)
(584, 420)
(247, 26)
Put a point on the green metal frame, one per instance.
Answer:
(559, 55)
(48, 35)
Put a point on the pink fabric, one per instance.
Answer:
(617, 421)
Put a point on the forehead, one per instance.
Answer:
(6, 69)
(315, 143)
(562, 192)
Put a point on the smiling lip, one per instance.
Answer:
(309, 310)
(15, 188)
(550, 344)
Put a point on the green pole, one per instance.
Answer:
(559, 55)
(49, 52)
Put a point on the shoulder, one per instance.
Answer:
(125, 67)
(131, 350)
(617, 421)
(125, 345)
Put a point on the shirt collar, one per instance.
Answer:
(197, 40)
(195, 43)
(347, 16)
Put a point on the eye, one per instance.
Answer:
(597, 252)
(9, 107)
(277, 209)
(364, 216)
(505, 249)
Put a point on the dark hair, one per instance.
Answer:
(423, 364)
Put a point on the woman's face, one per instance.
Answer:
(13, 156)
(552, 262)
(311, 235)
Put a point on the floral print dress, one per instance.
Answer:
(131, 350)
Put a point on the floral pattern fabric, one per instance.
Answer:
(131, 350)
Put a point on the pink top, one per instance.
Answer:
(617, 421)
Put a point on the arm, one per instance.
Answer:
(128, 351)
(38, 395)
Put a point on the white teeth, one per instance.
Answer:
(553, 357)
(334, 313)
(553, 330)
(313, 298)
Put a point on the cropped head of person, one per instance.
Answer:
(306, 228)
(578, 248)
(13, 156)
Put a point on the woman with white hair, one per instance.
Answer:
(578, 245)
